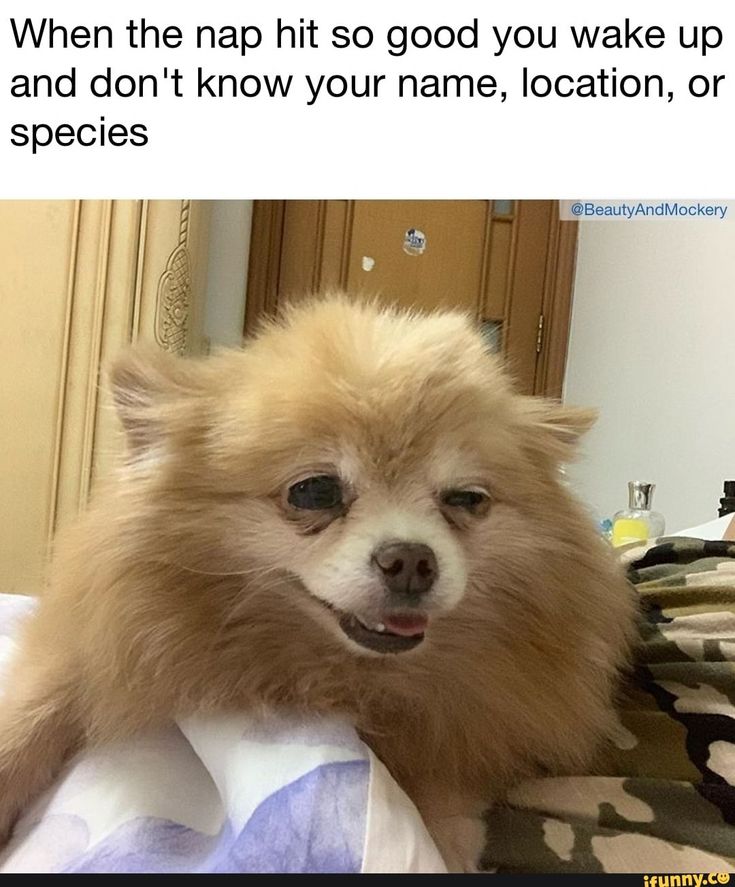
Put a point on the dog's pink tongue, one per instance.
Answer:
(406, 626)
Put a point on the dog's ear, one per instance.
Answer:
(148, 387)
(555, 429)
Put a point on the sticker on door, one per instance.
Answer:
(414, 242)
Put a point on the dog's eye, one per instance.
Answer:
(318, 493)
(470, 500)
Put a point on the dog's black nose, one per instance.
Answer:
(407, 567)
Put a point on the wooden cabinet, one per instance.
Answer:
(80, 280)
(507, 263)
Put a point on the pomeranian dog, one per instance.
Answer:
(355, 513)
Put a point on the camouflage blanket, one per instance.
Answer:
(665, 801)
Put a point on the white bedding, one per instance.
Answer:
(225, 794)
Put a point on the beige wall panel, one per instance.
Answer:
(80, 281)
(172, 275)
(80, 396)
(116, 329)
(37, 252)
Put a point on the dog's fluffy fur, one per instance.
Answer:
(192, 584)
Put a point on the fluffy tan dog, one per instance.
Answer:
(355, 513)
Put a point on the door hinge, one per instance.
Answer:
(540, 334)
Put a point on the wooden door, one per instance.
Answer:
(508, 263)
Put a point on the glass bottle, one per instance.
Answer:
(638, 521)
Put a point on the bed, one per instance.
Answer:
(665, 801)
(235, 794)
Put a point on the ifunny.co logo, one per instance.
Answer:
(687, 880)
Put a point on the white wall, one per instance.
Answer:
(229, 246)
(653, 347)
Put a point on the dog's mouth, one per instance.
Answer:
(394, 631)
(397, 633)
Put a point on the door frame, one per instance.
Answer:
(266, 252)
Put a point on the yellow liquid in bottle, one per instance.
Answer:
(626, 529)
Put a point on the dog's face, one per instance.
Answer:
(367, 458)
(383, 554)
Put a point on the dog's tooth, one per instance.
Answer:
(380, 627)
